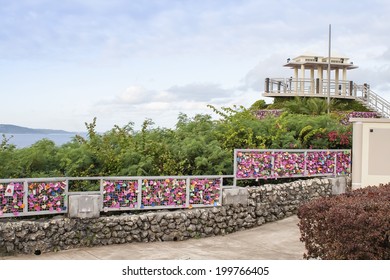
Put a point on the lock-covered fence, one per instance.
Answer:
(40, 196)
(274, 164)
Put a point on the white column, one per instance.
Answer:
(337, 90)
(328, 75)
(312, 83)
(345, 81)
(302, 89)
(296, 80)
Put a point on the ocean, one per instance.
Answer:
(26, 140)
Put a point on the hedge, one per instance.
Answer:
(352, 226)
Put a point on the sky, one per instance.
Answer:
(62, 63)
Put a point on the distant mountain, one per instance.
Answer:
(14, 129)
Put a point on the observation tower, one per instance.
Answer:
(310, 79)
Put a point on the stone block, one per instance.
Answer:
(84, 206)
(339, 185)
(235, 196)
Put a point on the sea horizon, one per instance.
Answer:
(28, 139)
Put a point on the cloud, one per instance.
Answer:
(175, 96)
(271, 67)
(163, 106)
(134, 95)
(204, 92)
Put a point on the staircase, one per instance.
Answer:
(372, 101)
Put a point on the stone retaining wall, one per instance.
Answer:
(242, 208)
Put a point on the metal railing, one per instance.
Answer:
(268, 163)
(372, 100)
(308, 87)
(319, 88)
(40, 196)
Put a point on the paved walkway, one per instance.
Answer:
(273, 241)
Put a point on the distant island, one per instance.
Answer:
(14, 129)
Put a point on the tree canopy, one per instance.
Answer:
(197, 145)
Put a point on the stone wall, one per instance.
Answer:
(243, 208)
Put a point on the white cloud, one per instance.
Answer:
(163, 106)
(156, 107)
(200, 92)
(271, 67)
(134, 95)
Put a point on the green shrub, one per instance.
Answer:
(353, 226)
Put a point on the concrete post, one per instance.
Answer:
(302, 89)
(266, 87)
(344, 81)
(296, 80)
(328, 75)
(357, 150)
(365, 91)
(312, 86)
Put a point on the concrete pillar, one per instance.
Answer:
(365, 91)
(266, 86)
(312, 85)
(235, 196)
(344, 81)
(328, 75)
(84, 206)
(357, 150)
(296, 80)
(302, 89)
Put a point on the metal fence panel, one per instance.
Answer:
(167, 192)
(33, 196)
(47, 197)
(120, 194)
(205, 192)
(267, 163)
(12, 197)
(288, 164)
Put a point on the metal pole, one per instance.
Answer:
(330, 32)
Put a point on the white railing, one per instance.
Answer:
(308, 87)
(372, 100)
(319, 88)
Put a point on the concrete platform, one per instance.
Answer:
(273, 241)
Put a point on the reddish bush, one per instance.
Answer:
(353, 226)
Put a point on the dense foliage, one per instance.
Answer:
(197, 145)
(310, 105)
(352, 226)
